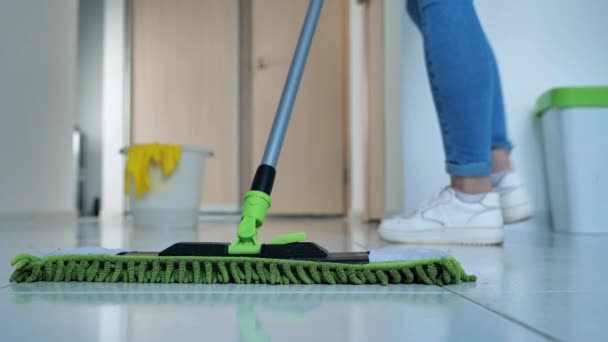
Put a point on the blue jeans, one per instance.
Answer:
(465, 84)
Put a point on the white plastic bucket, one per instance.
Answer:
(574, 121)
(575, 153)
(172, 201)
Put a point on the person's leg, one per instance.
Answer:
(501, 146)
(460, 69)
(514, 199)
(501, 161)
(413, 10)
(460, 65)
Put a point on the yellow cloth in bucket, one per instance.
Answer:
(139, 158)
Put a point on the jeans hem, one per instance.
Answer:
(503, 145)
(481, 169)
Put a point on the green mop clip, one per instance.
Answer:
(287, 259)
(255, 208)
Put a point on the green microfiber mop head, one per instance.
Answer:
(240, 270)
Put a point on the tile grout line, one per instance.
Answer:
(505, 316)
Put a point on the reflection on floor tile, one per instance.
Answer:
(243, 316)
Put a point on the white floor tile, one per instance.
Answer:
(570, 316)
(537, 277)
(247, 316)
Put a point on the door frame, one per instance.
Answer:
(384, 157)
(116, 104)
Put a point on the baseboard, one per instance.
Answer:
(47, 216)
(540, 222)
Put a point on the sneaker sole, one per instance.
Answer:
(444, 236)
(516, 214)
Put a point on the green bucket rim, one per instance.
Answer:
(563, 97)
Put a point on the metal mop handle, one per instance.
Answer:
(264, 176)
(257, 200)
(290, 90)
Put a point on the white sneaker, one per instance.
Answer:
(448, 220)
(514, 199)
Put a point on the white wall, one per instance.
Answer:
(539, 44)
(90, 91)
(37, 105)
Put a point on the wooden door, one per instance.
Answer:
(184, 84)
(312, 167)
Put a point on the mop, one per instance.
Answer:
(287, 259)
